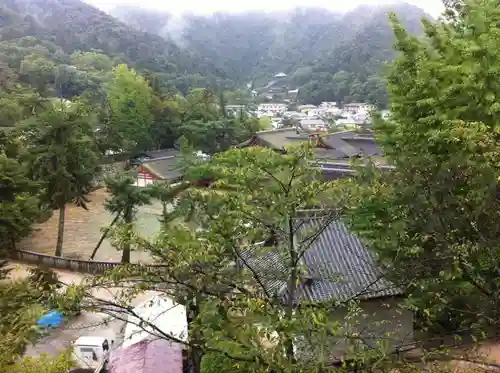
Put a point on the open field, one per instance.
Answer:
(83, 230)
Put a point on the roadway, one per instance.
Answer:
(87, 324)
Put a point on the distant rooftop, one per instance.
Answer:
(352, 104)
(312, 122)
(339, 145)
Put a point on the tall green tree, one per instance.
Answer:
(61, 155)
(91, 61)
(435, 219)
(218, 135)
(129, 100)
(236, 315)
(125, 200)
(19, 205)
(19, 103)
(166, 110)
(201, 105)
(39, 72)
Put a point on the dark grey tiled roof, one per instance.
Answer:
(336, 142)
(164, 163)
(156, 154)
(366, 145)
(268, 265)
(279, 138)
(326, 154)
(338, 266)
(335, 171)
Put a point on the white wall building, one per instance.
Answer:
(328, 105)
(357, 107)
(273, 107)
(314, 124)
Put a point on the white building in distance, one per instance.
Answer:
(357, 107)
(272, 107)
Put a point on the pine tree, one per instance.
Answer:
(125, 199)
(18, 202)
(62, 156)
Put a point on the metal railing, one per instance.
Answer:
(67, 264)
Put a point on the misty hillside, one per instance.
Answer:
(73, 25)
(254, 46)
(326, 56)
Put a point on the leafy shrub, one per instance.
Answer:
(45, 278)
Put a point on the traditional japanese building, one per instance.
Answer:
(156, 166)
(334, 151)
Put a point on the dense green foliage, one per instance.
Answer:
(236, 319)
(67, 26)
(18, 202)
(66, 47)
(434, 220)
(329, 56)
(62, 156)
(129, 99)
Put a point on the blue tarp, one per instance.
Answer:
(51, 319)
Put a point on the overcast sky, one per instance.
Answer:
(433, 7)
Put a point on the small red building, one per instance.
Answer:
(157, 165)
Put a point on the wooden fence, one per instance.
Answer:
(67, 264)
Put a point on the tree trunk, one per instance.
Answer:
(104, 235)
(13, 243)
(195, 355)
(292, 287)
(60, 230)
(127, 217)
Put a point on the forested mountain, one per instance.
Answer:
(57, 28)
(328, 55)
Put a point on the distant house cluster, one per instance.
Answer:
(317, 118)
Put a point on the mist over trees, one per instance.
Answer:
(327, 55)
